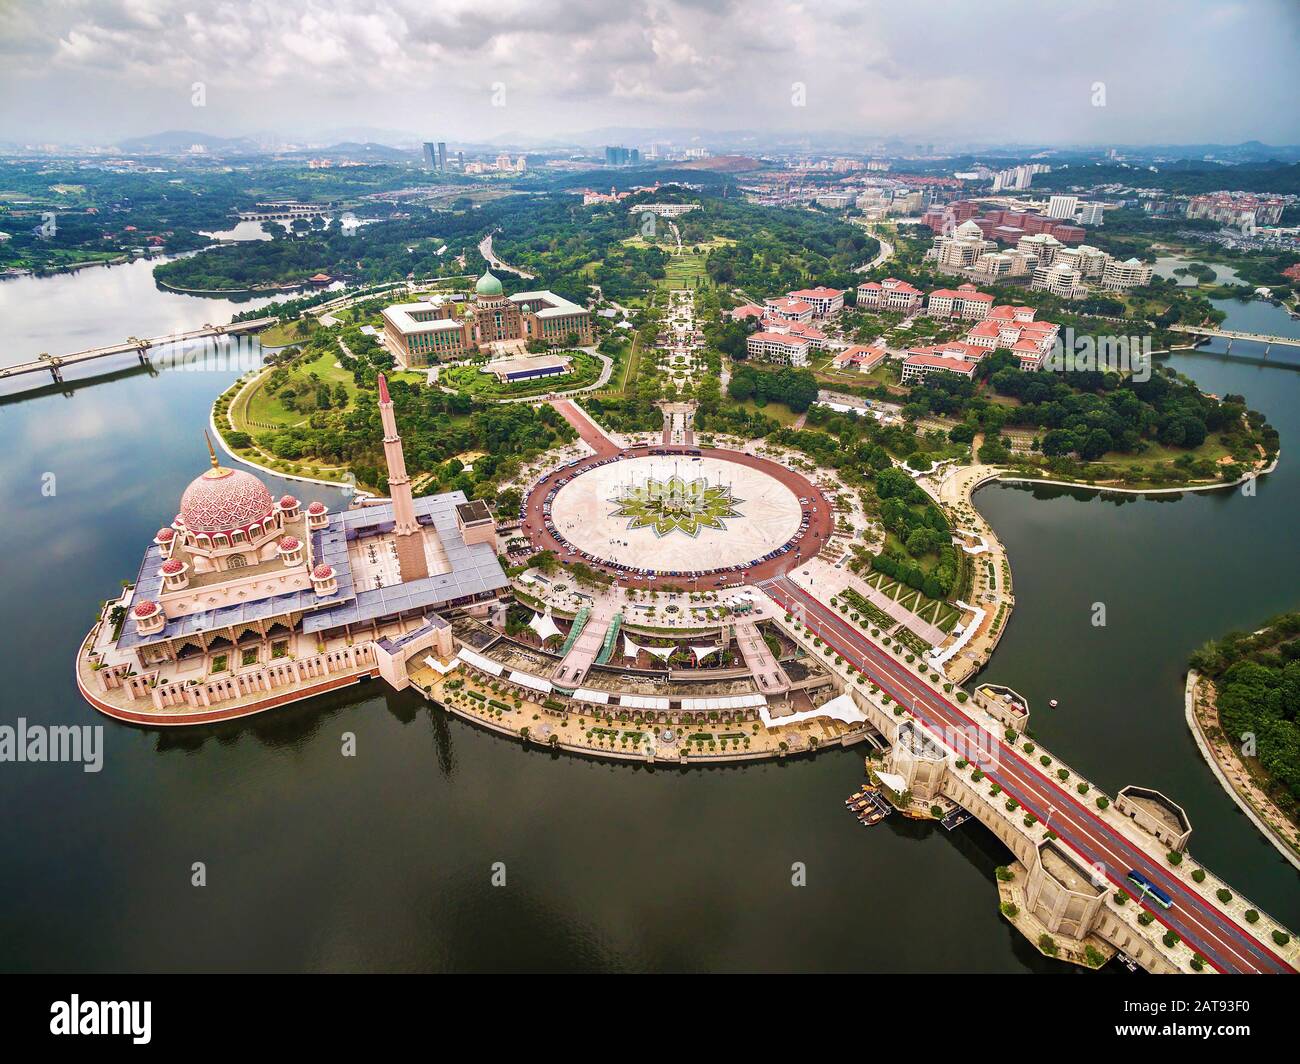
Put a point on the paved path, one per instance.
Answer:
(1205, 928)
(820, 527)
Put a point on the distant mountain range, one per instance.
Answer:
(387, 145)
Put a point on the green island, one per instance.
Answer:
(1246, 708)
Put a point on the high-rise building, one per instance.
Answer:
(442, 156)
(1062, 207)
(430, 155)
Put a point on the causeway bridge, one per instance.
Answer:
(284, 212)
(1236, 334)
(56, 364)
(1073, 858)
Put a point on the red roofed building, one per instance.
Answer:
(815, 337)
(1013, 329)
(967, 352)
(782, 348)
(964, 302)
(889, 294)
(919, 365)
(790, 309)
(824, 301)
(749, 310)
(864, 359)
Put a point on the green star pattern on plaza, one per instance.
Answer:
(677, 505)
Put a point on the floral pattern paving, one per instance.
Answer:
(675, 504)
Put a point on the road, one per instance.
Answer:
(1198, 922)
(886, 252)
(485, 249)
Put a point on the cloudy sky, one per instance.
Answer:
(96, 71)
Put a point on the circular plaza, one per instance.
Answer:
(642, 513)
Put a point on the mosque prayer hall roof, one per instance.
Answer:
(474, 569)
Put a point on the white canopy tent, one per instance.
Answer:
(600, 698)
(841, 708)
(630, 649)
(544, 625)
(642, 702)
(535, 683)
(480, 662)
(749, 701)
(703, 651)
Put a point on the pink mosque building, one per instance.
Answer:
(245, 602)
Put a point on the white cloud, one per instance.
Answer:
(1002, 69)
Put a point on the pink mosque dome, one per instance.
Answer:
(222, 500)
(322, 572)
(316, 508)
(287, 502)
(165, 534)
(288, 544)
(173, 566)
(146, 609)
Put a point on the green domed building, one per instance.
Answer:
(488, 285)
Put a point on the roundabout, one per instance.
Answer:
(644, 513)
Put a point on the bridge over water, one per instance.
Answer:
(55, 364)
(1236, 334)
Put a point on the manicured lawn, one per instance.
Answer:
(776, 411)
(287, 333)
(473, 381)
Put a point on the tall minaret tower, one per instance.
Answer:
(410, 540)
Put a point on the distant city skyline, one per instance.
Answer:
(1098, 72)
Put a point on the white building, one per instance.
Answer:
(782, 348)
(1061, 280)
(889, 294)
(1062, 207)
(1127, 274)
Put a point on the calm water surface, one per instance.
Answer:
(382, 861)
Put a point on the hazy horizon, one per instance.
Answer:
(1096, 73)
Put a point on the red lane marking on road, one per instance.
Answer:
(1240, 947)
(1198, 914)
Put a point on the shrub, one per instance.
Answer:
(1198, 875)
(1281, 938)
(1102, 801)
(1004, 874)
(1010, 910)
(1224, 895)
(1171, 939)
(1120, 897)
(1174, 857)
(1047, 944)
(1252, 917)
